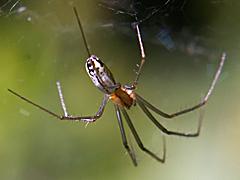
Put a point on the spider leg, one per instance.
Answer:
(166, 131)
(124, 138)
(34, 104)
(89, 118)
(68, 117)
(82, 32)
(135, 82)
(139, 142)
(61, 98)
(202, 103)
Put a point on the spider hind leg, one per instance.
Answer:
(124, 137)
(165, 130)
(200, 104)
(139, 141)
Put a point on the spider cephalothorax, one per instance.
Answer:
(123, 97)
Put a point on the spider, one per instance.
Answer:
(124, 97)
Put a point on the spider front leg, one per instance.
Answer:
(66, 116)
(61, 98)
(81, 118)
(89, 119)
(140, 66)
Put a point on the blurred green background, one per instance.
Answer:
(42, 44)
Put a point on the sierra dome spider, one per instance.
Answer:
(123, 97)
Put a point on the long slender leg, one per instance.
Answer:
(135, 82)
(61, 99)
(164, 130)
(69, 117)
(82, 32)
(124, 138)
(139, 142)
(202, 103)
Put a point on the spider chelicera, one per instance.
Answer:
(124, 97)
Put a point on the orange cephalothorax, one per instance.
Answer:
(123, 97)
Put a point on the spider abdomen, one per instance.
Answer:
(101, 76)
